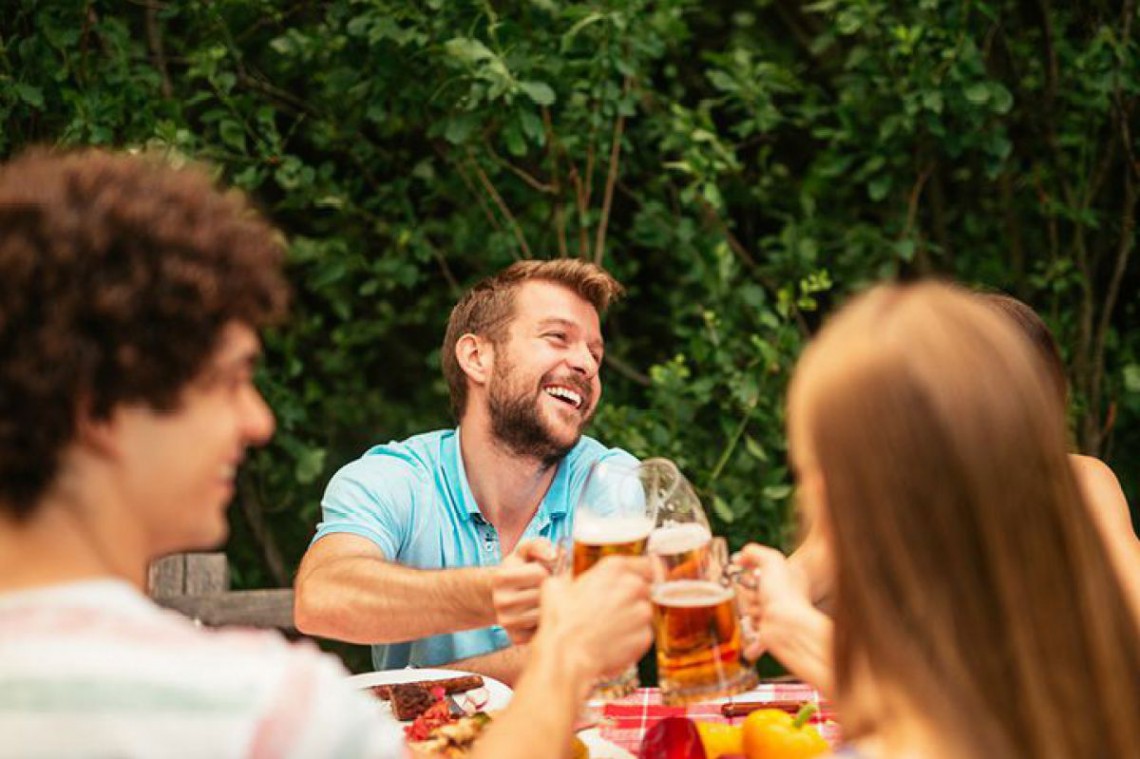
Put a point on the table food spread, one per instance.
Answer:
(447, 710)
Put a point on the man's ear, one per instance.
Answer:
(98, 435)
(476, 357)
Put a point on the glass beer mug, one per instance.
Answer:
(700, 635)
(614, 517)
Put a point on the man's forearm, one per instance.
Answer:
(504, 665)
(362, 599)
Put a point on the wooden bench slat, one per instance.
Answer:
(167, 576)
(249, 608)
(206, 573)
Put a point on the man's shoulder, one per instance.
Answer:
(416, 456)
(588, 450)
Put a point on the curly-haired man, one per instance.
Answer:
(130, 298)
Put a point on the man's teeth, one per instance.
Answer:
(565, 394)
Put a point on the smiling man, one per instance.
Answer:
(409, 552)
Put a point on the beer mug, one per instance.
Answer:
(700, 634)
(614, 516)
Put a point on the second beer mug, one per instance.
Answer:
(700, 635)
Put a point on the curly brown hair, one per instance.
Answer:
(487, 308)
(117, 275)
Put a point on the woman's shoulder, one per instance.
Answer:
(1102, 491)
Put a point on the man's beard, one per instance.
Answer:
(517, 422)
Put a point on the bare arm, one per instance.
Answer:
(347, 590)
(503, 665)
(1113, 520)
(590, 627)
(1104, 496)
(801, 638)
(813, 563)
(787, 624)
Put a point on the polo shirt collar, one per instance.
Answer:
(555, 504)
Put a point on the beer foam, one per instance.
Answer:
(689, 594)
(678, 538)
(598, 531)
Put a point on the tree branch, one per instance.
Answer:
(581, 200)
(522, 174)
(473, 190)
(1124, 249)
(611, 176)
(626, 370)
(501, 205)
(157, 50)
(552, 148)
(912, 215)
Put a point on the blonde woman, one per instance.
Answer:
(975, 613)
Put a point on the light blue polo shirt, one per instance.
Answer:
(412, 499)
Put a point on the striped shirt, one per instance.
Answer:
(95, 669)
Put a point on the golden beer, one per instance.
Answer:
(595, 538)
(598, 536)
(681, 551)
(699, 642)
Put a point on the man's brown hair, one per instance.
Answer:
(972, 586)
(1037, 333)
(117, 275)
(488, 307)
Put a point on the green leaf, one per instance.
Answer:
(532, 127)
(31, 95)
(978, 93)
(723, 510)
(233, 135)
(1002, 99)
(309, 465)
(776, 492)
(572, 32)
(904, 249)
(1132, 378)
(933, 101)
(539, 92)
(460, 127)
(754, 448)
(516, 145)
(879, 187)
(467, 50)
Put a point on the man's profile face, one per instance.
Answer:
(545, 385)
(178, 467)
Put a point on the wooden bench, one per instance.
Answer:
(198, 585)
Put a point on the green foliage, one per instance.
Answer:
(740, 166)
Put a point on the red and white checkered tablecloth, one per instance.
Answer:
(625, 721)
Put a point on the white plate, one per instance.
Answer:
(498, 694)
(600, 748)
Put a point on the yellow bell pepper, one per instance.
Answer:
(775, 734)
(719, 739)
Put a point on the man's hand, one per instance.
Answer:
(515, 588)
(779, 599)
(601, 620)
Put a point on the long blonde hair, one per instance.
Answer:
(970, 580)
